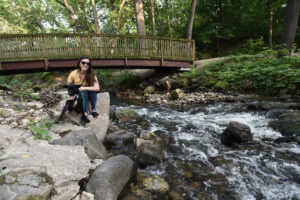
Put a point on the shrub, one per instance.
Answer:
(263, 75)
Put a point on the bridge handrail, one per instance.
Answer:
(19, 47)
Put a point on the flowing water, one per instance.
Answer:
(198, 166)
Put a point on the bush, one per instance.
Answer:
(263, 75)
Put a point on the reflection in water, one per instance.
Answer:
(198, 166)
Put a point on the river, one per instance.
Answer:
(198, 166)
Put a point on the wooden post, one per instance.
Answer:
(45, 53)
(194, 50)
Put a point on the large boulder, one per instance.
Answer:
(236, 133)
(120, 137)
(108, 180)
(93, 147)
(37, 169)
(97, 125)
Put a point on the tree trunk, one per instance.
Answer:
(66, 4)
(153, 18)
(97, 26)
(270, 32)
(169, 24)
(140, 20)
(38, 21)
(119, 16)
(290, 24)
(191, 21)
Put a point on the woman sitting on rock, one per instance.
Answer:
(85, 77)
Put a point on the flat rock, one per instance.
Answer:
(61, 167)
(93, 147)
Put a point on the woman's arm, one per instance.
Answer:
(94, 88)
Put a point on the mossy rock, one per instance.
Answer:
(177, 94)
(149, 90)
(126, 115)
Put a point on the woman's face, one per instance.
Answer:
(84, 64)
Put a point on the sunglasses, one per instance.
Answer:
(86, 63)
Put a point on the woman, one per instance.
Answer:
(85, 76)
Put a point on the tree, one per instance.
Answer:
(270, 25)
(71, 14)
(153, 18)
(290, 24)
(119, 16)
(95, 14)
(191, 21)
(140, 20)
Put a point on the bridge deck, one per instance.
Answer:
(42, 52)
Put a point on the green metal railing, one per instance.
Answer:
(20, 47)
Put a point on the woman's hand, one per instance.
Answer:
(82, 89)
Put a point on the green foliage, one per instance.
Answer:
(127, 79)
(117, 78)
(25, 90)
(41, 129)
(268, 76)
(35, 97)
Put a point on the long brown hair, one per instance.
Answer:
(90, 73)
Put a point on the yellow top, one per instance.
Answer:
(75, 79)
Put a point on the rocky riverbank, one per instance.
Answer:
(65, 165)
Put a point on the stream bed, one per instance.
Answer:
(198, 166)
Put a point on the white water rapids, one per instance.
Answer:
(269, 172)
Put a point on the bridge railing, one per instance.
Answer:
(19, 47)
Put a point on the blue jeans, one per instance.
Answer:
(89, 96)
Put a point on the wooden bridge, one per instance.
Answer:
(21, 53)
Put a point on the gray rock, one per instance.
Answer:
(100, 124)
(97, 125)
(49, 166)
(108, 180)
(149, 154)
(93, 147)
(180, 83)
(236, 133)
(84, 196)
(125, 115)
(164, 84)
(120, 137)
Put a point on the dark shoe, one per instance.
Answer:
(95, 114)
(85, 119)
